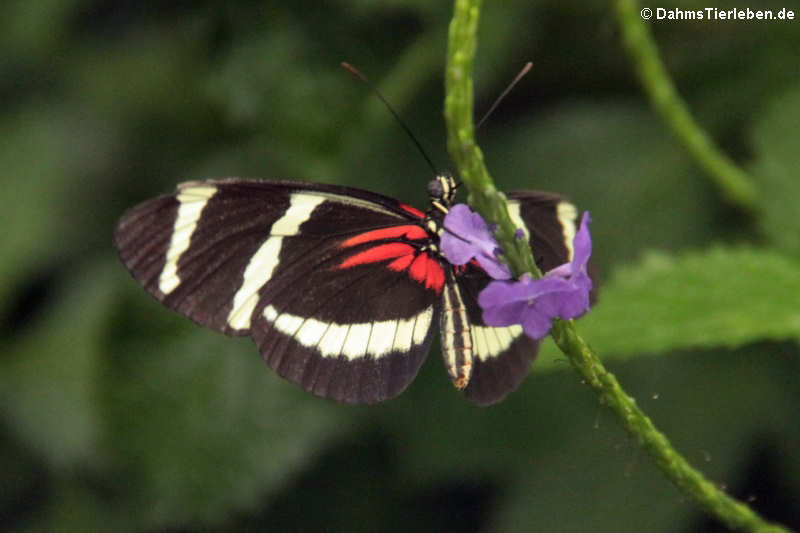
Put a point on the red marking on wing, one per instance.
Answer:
(401, 263)
(460, 270)
(435, 277)
(413, 210)
(477, 265)
(427, 271)
(420, 266)
(409, 231)
(378, 253)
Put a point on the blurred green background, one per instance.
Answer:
(117, 415)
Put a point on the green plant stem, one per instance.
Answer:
(466, 156)
(490, 203)
(733, 513)
(737, 187)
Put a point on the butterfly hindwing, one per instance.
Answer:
(502, 356)
(549, 222)
(357, 335)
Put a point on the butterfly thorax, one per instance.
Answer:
(441, 193)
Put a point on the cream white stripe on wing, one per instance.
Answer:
(404, 337)
(567, 213)
(422, 324)
(192, 201)
(381, 339)
(491, 342)
(479, 341)
(263, 263)
(355, 345)
(504, 336)
(374, 339)
(286, 323)
(333, 340)
(516, 218)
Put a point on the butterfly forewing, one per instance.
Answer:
(296, 267)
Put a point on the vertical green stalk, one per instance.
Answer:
(675, 467)
(466, 156)
(736, 186)
(490, 203)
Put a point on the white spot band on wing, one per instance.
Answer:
(567, 213)
(192, 201)
(353, 341)
(263, 263)
(491, 342)
(516, 218)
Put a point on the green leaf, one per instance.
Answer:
(775, 138)
(75, 507)
(614, 159)
(35, 31)
(34, 155)
(723, 409)
(48, 370)
(201, 428)
(720, 297)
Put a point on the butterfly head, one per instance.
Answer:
(442, 191)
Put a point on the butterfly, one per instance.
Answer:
(339, 288)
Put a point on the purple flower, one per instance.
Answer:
(563, 292)
(466, 236)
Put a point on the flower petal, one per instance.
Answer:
(582, 243)
(563, 292)
(494, 267)
(466, 236)
(504, 315)
(536, 324)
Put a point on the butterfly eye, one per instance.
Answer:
(436, 189)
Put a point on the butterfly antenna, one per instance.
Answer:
(505, 92)
(357, 73)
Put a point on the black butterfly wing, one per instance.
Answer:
(503, 356)
(272, 260)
